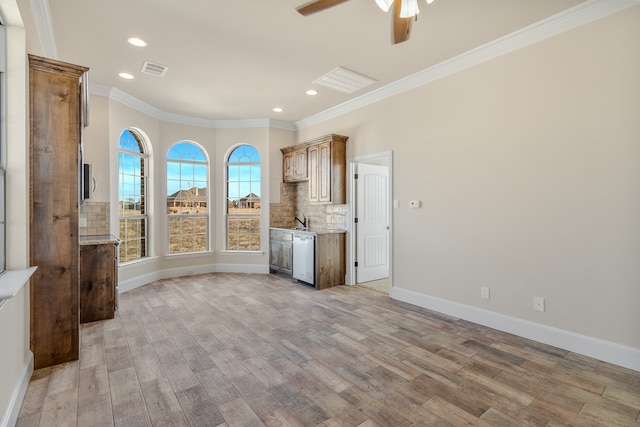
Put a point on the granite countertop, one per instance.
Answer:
(98, 239)
(311, 230)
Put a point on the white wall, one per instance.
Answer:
(16, 361)
(528, 168)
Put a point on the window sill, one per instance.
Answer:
(12, 281)
(241, 253)
(189, 254)
(137, 262)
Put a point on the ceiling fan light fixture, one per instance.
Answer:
(409, 9)
(385, 5)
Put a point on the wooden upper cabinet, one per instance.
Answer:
(325, 167)
(55, 107)
(328, 170)
(295, 164)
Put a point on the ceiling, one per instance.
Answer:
(237, 60)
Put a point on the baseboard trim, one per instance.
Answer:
(10, 417)
(145, 279)
(617, 354)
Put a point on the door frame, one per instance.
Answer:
(352, 204)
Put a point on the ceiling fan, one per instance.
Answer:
(403, 13)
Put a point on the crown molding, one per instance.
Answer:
(99, 89)
(44, 25)
(574, 17)
(255, 123)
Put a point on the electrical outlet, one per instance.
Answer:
(484, 292)
(414, 204)
(538, 304)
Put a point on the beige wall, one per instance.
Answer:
(528, 168)
(96, 148)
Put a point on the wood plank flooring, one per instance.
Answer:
(252, 350)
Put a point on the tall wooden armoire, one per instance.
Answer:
(55, 108)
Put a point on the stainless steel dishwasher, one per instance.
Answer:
(304, 251)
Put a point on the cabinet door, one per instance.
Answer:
(313, 156)
(287, 167)
(97, 283)
(324, 172)
(300, 164)
(275, 254)
(286, 262)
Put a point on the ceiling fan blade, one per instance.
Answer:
(317, 6)
(401, 26)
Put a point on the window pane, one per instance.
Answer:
(244, 189)
(255, 173)
(200, 172)
(233, 173)
(186, 171)
(187, 244)
(172, 188)
(174, 244)
(201, 242)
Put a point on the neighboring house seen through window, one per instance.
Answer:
(132, 196)
(187, 201)
(243, 199)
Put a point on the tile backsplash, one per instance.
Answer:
(96, 215)
(294, 201)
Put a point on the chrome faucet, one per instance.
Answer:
(303, 221)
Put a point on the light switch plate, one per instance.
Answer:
(83, 222)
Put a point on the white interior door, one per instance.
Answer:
(372, 211)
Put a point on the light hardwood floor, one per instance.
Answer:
(381, 285)
(253, 350)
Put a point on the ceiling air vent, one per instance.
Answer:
(344, 80)
(154, 69)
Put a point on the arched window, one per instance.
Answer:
(132, 196)
(187, 201)
(243, 199)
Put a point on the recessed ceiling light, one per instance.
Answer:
(277, 110)
(137, 42)
(312, 92)
(126, 76)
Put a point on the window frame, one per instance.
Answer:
(143, 156)
(227, 198)
(206, 216)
